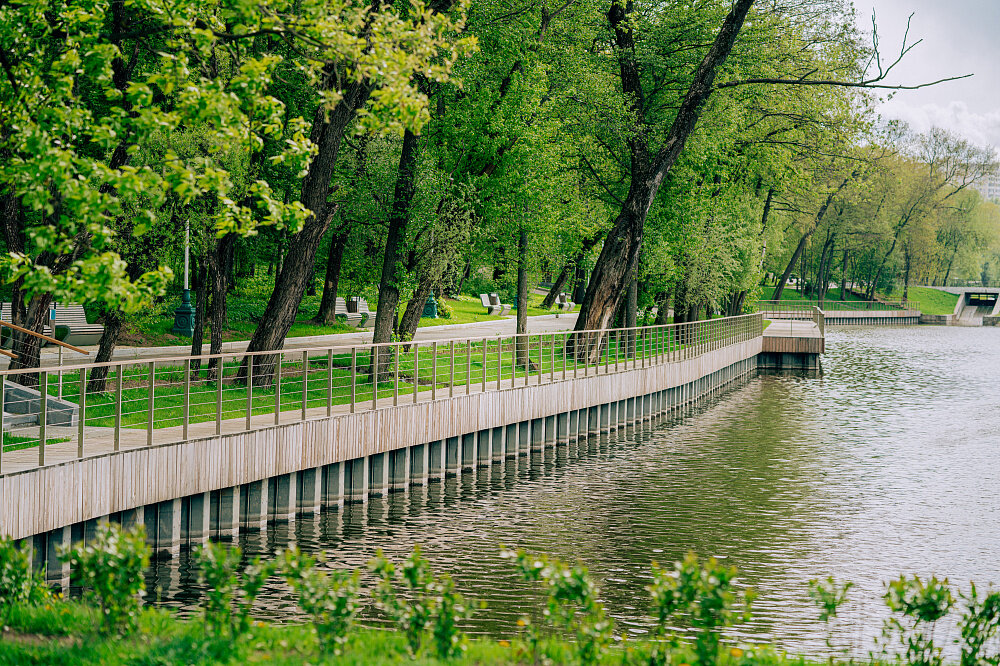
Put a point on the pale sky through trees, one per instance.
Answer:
(960, 37)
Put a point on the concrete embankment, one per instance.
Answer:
(216, 485)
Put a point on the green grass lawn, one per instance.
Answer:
(245, 310)
(468, 310)
(65, 633)
(329, 379)
(18, 442)
(931, 301)
(790, 294)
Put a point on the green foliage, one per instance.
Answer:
(19, 583)
(330, 598)
(231, 586)
(420, 603)
(921, 604)
(111, 567)
(572, 602)
(704, 596)
(829, 596)
(979, 625)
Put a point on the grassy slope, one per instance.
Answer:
(63, 633)
(931, 301)
(790, 294)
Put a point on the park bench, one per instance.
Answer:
(493, 305)
(71, 324)
(356, 312)
(563, 303)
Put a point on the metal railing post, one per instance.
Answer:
(434, 371)
(564, 359)
(1, 422)
(152, 403)
(500, 363)
(485, 364)
(218, 395)
(118, 406)
(186, 409)
(305, 384)
(373, 355)
(81, 417)
(395, 381)
(354, 382)
(416, 371)
(43, 417)
(249, 390)
(468, 367)
(451, 381)
(552, 358)
(329, 380)
(277, 390)
(541, 363)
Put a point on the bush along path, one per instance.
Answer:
(693, 603)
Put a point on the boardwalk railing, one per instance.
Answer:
(158, 401)
(777, 307)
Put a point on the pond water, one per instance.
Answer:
(887, 464)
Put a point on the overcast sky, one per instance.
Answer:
(960, 37)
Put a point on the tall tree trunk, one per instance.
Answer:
(662, 308)
(28, 347)
(619, 256)
(219, 283)
(465, 276)
(201, 310)
(826, 257)
(114, 323)
(820, 214)
(523, 358)
(297, 268)
(558, 286)
(579, 284)
(410, 320)
(334, 261)
(631, 313)
(779, 289)
(843, 277)
(388, 292)
(906, 273)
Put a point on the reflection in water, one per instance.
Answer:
(887, 464)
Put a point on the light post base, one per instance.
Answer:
(184, 316)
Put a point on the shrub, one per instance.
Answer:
(19, 584)
(702, 595)
(420, 603)
(479, 284)
(112, 569)
(226, 614)
(921, 605)
(329, 598)
(979, 624)
(444, 310)
(572, 603)
(829, 596)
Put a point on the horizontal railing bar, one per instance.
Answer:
(346, 348)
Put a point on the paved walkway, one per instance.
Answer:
(792, 328)
(507, 326)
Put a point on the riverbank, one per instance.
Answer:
(65, 632)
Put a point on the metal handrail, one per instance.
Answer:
(148, 396)
(44, 337)
(828, 306)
